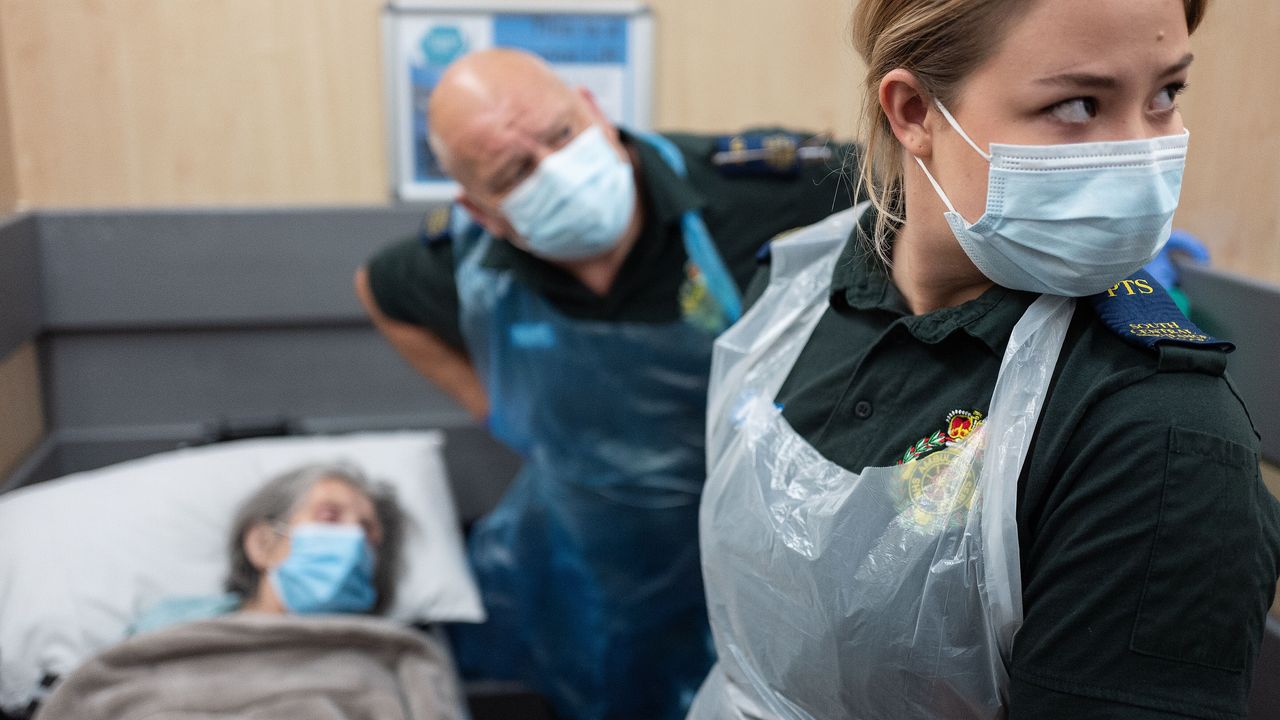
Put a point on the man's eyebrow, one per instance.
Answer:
(547, 130)
(505, 165)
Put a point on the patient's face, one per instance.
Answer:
(336, 502)
(329, 501)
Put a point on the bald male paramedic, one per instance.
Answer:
(570, 300)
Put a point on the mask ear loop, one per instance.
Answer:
(951, 120)
(954, 126)
(936, 187)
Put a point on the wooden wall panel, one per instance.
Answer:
(722, 64)
(21, 415)
(215, 102)
(155, 102)
(158, 102)
(8, 174)
(1231, 197)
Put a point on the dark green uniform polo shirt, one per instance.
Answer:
(414, 283)
(1149, 546)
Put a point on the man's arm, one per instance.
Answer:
(428, 354)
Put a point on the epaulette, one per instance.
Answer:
(1141, 312)
(765, 254)
(768, 154)
(437, 226)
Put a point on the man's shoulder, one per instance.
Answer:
(776, 153)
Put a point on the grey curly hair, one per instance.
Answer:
(278, 499)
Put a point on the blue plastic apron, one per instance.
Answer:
(589, 565)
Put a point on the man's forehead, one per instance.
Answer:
(504, 126)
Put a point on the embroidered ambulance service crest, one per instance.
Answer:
(931, 493)
(935, 493)
(698, 306)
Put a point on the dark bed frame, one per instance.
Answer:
(141, 318)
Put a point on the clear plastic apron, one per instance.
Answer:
(889, 593)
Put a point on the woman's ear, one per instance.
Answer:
(906, 105)
(263, 546)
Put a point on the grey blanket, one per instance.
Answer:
(265, 666)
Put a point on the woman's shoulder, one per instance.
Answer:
(1117, 390)
(1134, 342)
(1150, 546)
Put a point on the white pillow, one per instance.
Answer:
(82, 556)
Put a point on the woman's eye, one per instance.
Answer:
(1075, 111)
(1165, 100)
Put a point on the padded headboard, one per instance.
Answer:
(159, 329)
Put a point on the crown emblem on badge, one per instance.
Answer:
(960, 424)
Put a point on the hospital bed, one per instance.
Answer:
(158, 330)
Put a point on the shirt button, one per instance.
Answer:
(862, 409)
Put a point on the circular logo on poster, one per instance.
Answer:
(443, 44)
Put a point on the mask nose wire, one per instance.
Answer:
(951, 120)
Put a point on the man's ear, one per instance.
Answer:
(496, 225)
(906, 104)
(261, 545)
(599, 118)
(593, 107)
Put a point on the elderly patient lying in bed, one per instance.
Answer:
(318, 539)
(311, 552)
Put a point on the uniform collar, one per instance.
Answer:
(664, 199)
(861, 281)
(668, 195)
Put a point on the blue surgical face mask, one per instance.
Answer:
(578, 201)
(329, 570)
(1072, 219)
